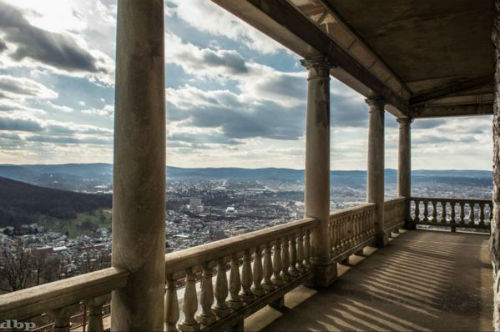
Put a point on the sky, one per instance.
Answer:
(235, 98)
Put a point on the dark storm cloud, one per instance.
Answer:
(20, 125)
(228, 59)
(285, 85)
(50, 48)
(3, 46)
(348, 111)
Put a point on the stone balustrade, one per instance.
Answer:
(453, 213)
(351, 229)
(221, 283)
(395, 213)
(216, 285)
(60, 300)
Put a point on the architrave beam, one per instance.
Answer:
(443, 91)
(452, 110)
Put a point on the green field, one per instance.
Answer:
(83, 224)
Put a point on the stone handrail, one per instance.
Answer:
(451, 212)
(61, 299)
(250, 271)
(351, 229)
(395, 213)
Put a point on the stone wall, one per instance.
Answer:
(495, 225)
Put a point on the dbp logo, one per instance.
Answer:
(14, 324)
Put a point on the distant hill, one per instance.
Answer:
(89, 177)
(22, 203)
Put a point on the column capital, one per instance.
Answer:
(375, 103)
(318, 66)
(404, 121)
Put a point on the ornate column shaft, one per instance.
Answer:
(375, 176)
(404, 165)
(317, 174)
(139, 167)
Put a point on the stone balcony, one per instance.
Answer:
(422, 280)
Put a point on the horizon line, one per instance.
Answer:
(248, 168)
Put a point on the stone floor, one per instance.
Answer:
(422, 281)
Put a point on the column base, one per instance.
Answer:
(324, 274)
(381, 240)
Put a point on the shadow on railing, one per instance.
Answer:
(451, 213)
(251, 271)
(208, 287)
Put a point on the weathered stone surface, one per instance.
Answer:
(375, 176)
(139, 167)
(495, 225)
(317, 176)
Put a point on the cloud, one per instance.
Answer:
(69, 140)
(13, 124)
(107, 111)
(200, 139)
(427, 123)
(208, 17)
(236, 117)
(56, 50)
(3, 46)
(20, 88)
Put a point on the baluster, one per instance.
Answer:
(417, 211)
(171, 305)
(452, 216)
(257, 273)
(95, 313)
(471, 214)
(434, 211)
(344, 234)
(235, 284)
(462, 213)
(444, 204)
(246, 277)
(277, 265)
(190, 304)
(481, 214)
(268, 268)
(62, 317)
(300, 252)
(293, 256)
(221, 290)
(351, 231)
(206, 317)
(426, 210)
(307, 248)
(285, 256)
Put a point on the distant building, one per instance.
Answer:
(231, 210)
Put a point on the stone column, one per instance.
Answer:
(404, 165)
(375, 176)
(139, 167)
(317, 173)
(495, 224)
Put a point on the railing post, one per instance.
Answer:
(139, 167)
(404, 167)
(375, 176)
(317, 173)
